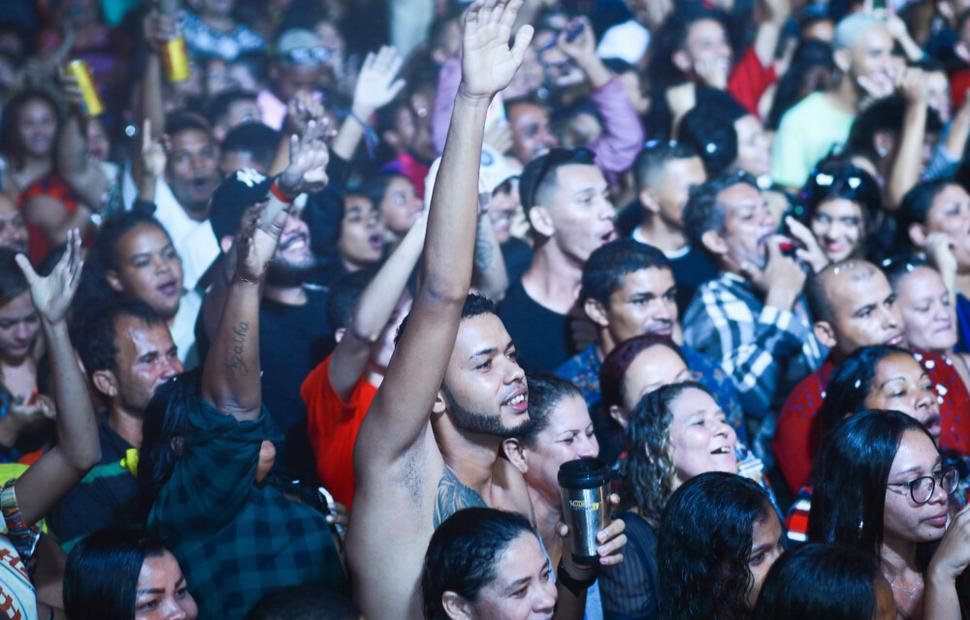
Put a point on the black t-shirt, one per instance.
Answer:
(292, 341)
(691, 269)
(541, 336)
(106, 497)
(517, 255)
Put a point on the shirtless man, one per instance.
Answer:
(429, 445)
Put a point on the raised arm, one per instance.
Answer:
(374, 310)
(78, 450)
(907, 166)
(622, 135)
(774, 15)
(377, 85)
(231, 374)
(73, 164)
(158, 30)
(399, 413)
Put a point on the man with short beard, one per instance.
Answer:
(293, 329)
(127, 352)
(429, 445)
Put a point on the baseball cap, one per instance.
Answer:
(492, 172)
(237, 192)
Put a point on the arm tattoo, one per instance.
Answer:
(452, 496)
(235, 362)
(483, 247)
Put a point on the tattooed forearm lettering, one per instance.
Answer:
(235, 362)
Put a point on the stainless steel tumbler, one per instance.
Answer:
(584, 505)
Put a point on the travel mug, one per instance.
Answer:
(585, 508)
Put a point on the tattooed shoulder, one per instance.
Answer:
(453, 496)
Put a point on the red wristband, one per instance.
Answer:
(276, 191)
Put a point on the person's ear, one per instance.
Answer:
(339, 334)
(596, 312)
(843, 59)
(226, 244)
(825, 333)
(649, 200)
(681, 60)
(917, 234)
(439, 406)
(455, 606)
(618, 416)
(714, 242)
(105, 382)
(113, 280)
(515, 452)
(541, 221)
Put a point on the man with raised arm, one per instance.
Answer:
(429, 445)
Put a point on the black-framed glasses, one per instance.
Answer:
(922, 489)
(555, 158)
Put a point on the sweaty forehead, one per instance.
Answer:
(134, 337)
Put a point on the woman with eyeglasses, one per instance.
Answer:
(842, 206)
(874, 377)
(881, 486)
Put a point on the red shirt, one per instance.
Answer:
(749, 80)
(38, 244)
(792, 442)
(332, 426)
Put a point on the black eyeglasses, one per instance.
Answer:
(555, 158)
(922, 489)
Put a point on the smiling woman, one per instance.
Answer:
(133, 258)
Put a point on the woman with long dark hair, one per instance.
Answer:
(125, 575)
(825, 581)
(882, 487)
(719, 536)
(874, 377)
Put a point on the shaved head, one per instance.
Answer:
(820, 286)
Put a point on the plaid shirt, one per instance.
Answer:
(766, 351)
(236, 540)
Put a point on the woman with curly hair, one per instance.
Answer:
(674, 433)
(719, 536)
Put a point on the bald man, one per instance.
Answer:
(854, 307)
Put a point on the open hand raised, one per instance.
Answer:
(487, 63)
(52, 294)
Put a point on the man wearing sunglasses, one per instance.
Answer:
(566, 201)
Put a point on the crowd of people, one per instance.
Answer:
(304, 303)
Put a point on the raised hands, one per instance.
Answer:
(256, 242)
(309, 156)
(52, 294)
(159, 29)
(377, 82)
(153, 157)
(487, 62)
(302, 109)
